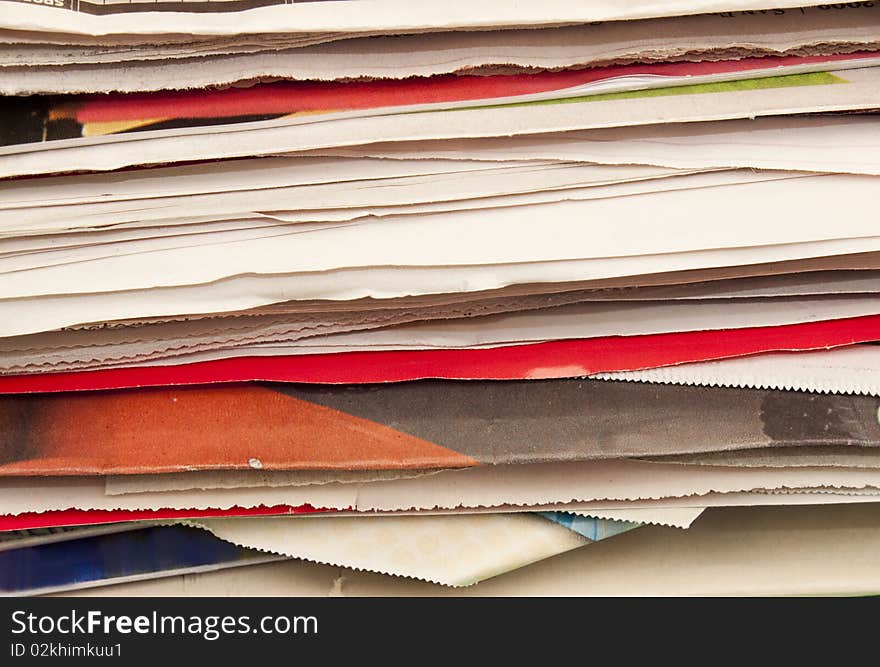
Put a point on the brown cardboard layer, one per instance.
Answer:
(416, 425)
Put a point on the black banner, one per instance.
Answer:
(272, 631)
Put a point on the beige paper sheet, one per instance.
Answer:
(33, 315)
(849, 370)
(424, 54)
(423, 547)
(41, 68)
(733, 551)
(673, 517)
(535, 484)
(394, 16)
(389, 195)
(650, 224)
(845, 144)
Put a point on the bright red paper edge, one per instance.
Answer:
(557, 359)
(75, 517)
(324, 96)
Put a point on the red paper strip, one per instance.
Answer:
(558, 359)
(311, 96)
(73, 517)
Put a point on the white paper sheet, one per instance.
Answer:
(649, 224)
(844, 144)
(848, 370)
(32, 315)
(393, 16)
(485, 486)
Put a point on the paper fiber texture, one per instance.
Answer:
(556, 183)
(264, 174)
(226, 177)
(535, 361)
(789, 270)
(394, 16)
(398, 426)
(44, 123)
(782, 270)
(538, 484)
(495, 237)
(131, 343)
(674, 517)
(588, 320)
(842, 143)
(733, 551)
(36, 124)
(317, 57)
(687, 506)
(40, 68)
(136, 342)
(797, 496)
(88, 238)
(849, 370)
(847, 457)
(249, 213)
(51, 312)
(854, 89)
(451, 550)
(762, 287)
(753, 498)
(580, 321)
(253, 477)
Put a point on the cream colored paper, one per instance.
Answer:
(650, 224)
(674, 517)
(23, 72)
(475, 181)
(736, 551)
(393, 16)
(443, 52)
(452, 550)
(848, 370)
(589, 320)
(29, 315)
(844, 144)
(489, 486)
(116, 485)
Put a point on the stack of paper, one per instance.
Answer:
(429, 290)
